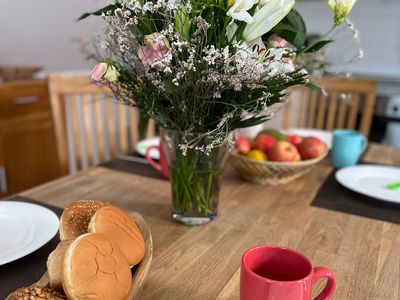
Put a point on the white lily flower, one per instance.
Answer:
(275, 54)
(266, 18)
(253, 49)
(341, 9)
(239, 10)
(263, 2)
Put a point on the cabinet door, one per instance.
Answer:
(27, 145)
(28, 154)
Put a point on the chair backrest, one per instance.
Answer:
(344, 101)
(90, 125)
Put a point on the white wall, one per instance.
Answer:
(42, 32)
(379, 24)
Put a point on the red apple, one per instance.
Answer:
(264, 142)
(243, 145)
(295, 139)
(311, 147)
(283, 151)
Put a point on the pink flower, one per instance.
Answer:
(276, 41)
(151, 52)
(98, 73)
(104, 73)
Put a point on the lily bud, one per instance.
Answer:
(341, 9)
(231, 2)
(266, 18)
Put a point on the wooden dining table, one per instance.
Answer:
(203, 262)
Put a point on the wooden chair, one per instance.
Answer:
(90, 126)
(345, 100)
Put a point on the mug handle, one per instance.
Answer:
(155, 165)
(364, 144)
(327, 292)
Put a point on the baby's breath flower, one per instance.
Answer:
(179, 80)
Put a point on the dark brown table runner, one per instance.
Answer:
(332, 195)
(30, 268)
(132, 168)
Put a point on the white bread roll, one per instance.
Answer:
(121, 229)
(75, 218)
(55, 264)
(94, 268)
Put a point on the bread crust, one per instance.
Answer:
(55, 264)
(122, 230)
(75, 219)
(94, 268)
(35, 292)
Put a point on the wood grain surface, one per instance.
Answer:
(204, 262)
(28, 151)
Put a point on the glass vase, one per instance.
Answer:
(196, 164)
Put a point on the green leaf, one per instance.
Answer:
(315, 46)
(313, 87)
(253, 121)
(109, 8)
(182, 22)
(293, 29)
(284, 27)
(143, 124)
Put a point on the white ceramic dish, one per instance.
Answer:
(142, 146)
(24, 228)
(325, 136)
(371, 180)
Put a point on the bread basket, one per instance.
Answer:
(270, 172)
(139, 272)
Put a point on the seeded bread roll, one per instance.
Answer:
(55, 265)
(36, 293)
(95, 268)
(75, 219)
(122, 230)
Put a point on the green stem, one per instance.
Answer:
(195, 179)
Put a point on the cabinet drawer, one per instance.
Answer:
(23, 98)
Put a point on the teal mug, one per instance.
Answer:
(347, 147)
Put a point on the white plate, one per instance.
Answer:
(24, 228)
(142, 146)
(371, 180)
(323, 135)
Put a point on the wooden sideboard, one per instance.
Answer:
(28, 154)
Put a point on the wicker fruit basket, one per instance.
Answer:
(270, 172)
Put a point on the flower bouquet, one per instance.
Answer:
(202, 68)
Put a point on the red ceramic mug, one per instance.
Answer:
(275, 272)
(162, 165)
